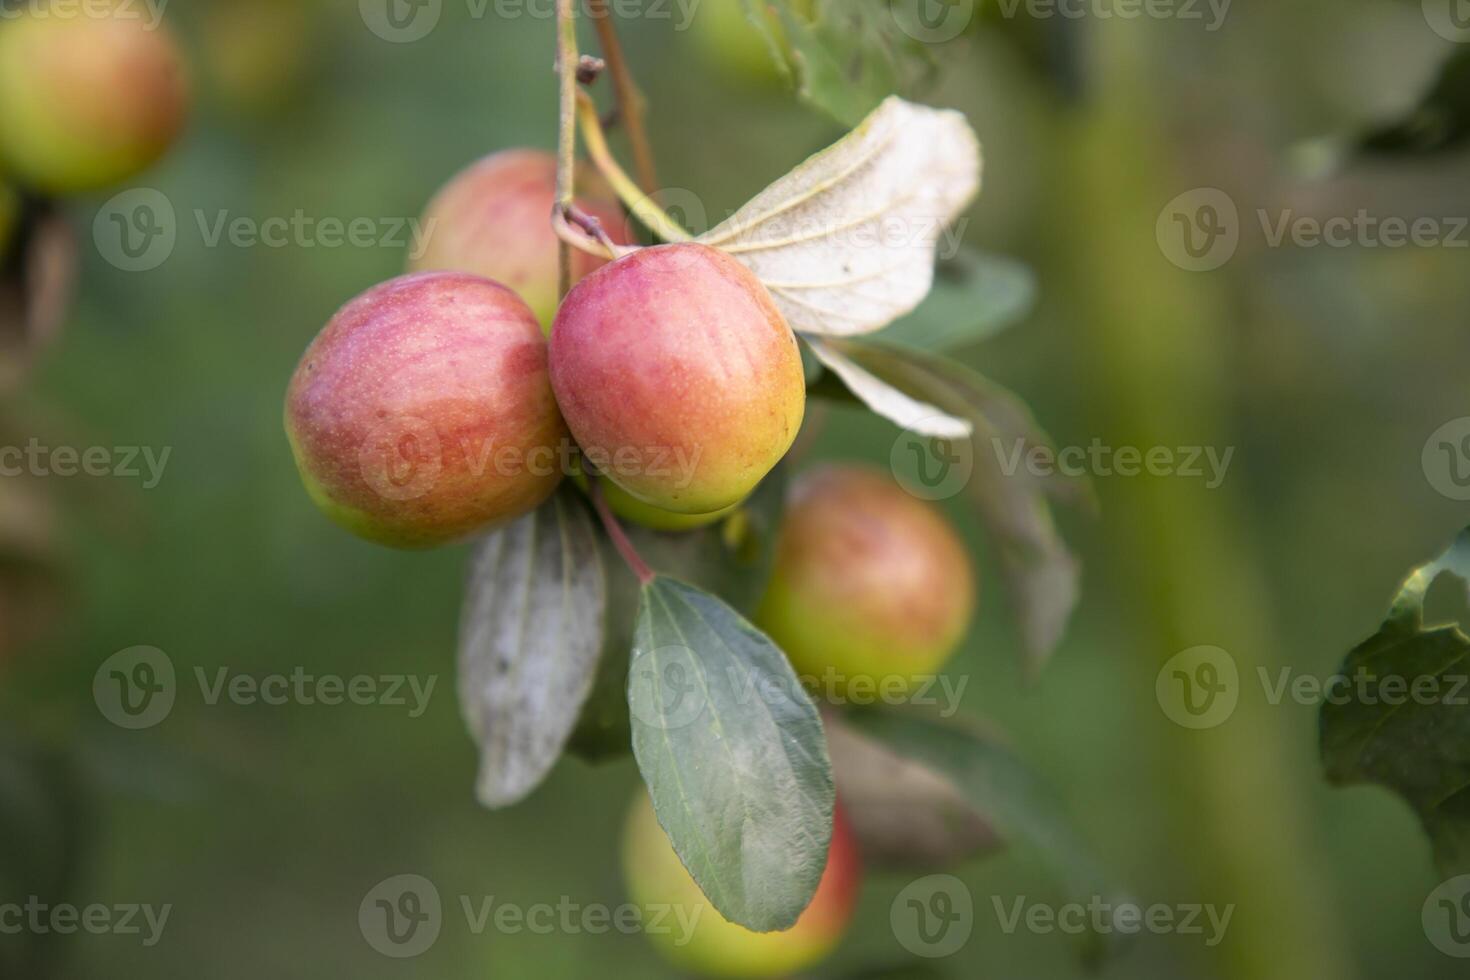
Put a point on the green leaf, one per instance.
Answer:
(1376, 730)
(904, 815)
(850, 55)
(530, 634)
(1438, 123)
(975, 296)
(733, 753)
(1013, 500)
(1021, 807)
(732, 559)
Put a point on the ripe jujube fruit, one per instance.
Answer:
(715, 946)
(87, 100)
(494, 219)
(422, 412)
(675, 363)
(870, 583)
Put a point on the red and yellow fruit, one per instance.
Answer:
(871, 585)
(714, 946)
(89, 97)
(494, 219)
(675, 364)
(422, 413)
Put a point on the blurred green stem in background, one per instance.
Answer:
(1157, 338)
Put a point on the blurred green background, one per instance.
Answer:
(1326, 368)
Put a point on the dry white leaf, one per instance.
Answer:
(846, 242)
(529, 641)
(905, 412)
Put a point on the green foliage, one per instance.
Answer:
(975, 296)
(1011, 797)
(1438, 123)
(732, 559)
(1397, 715)
(733, 753)
(846, 56)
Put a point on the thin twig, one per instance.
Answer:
(585, 233)
(566, 159)
(616, 534)
(630, 101)
(643, 207)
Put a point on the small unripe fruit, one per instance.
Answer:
(494, 219)
(422, 413)
(674, 363)
(870, 583)
(89, 98)
(714, 946)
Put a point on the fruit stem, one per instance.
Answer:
(631, 104)
(617, 534)
(585, 233)
(566, 159)
(642, 206)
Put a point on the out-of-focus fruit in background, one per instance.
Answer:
(89, 98)
(710, 944)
